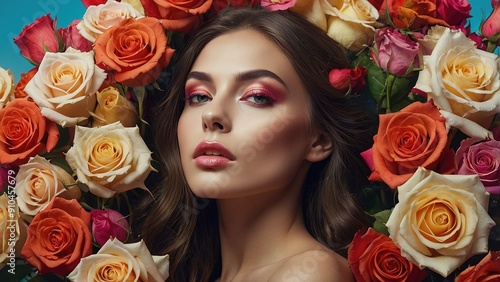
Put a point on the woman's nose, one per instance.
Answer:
(215, 117)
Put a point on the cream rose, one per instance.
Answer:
(312, 11)
(112, 107)
(116, 261)
(463, 81)
(9, 228)
(440, 220)
(429, 41)
(64, 86)
(38, 182)
(352, 23)
(98, 19)
(6, 87)
(110, 159)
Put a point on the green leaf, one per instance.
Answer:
(381, 219)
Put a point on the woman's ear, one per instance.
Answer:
(320, 149)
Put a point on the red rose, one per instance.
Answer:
(374, 257)
(345, 79)
(488, 269)
(88, 3)
(58, 237)
(412, 14)
(72, 37)
(454, 12)
(24, 132)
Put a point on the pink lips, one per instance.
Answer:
(210, 155)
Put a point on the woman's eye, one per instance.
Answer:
(258, 98)
(198, 98)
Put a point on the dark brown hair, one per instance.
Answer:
(184, 226)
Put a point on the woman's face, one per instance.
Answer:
(245, 127)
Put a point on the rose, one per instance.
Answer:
(6, 87)
(7, 172)
(394, 52)
(37, 38)
(64, 86)
(181, 16)
(110, 159)
(483, 159)
(273, 5)
(413, 137)
(21, 84)
(132, 63)
(112, 107)
(108, 224)
(464, 83)
(374, 257)
(351, 23)
(24, 132)
(348, 79)
(491, 27)
(218, 5)
(440, 220)
(72, 38)
(411, 14)
(58, 237)
(97, 19)
(487, 270)
(9, 227)
(38, 182)
(312, 11)
(478, 41)
(116, 261)
(429, 41)
(454, 12)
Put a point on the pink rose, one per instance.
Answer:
(72, 38)
(218, 5)
(108, 224)
(454, 12)
(345, 79)
(478, 40)
(38, 38)
(491, 27)
(394, 52)
(483, 159)
(276, 5)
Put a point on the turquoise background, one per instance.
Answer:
(15, 14)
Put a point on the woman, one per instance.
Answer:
(252, 127)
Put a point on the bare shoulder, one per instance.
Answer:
(319, 265)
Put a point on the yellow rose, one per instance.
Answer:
(112, 107)
(312, 11)
(64, 86)
(38, 182)
(441, 220)
(136, 4)
(9, 229)
(463, 81)
(98, 19)
(116, 261)
(110, 159)
(352, 23)
(6, 87)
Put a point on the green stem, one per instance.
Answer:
(389, 82)
(140, 94)
(491, 46)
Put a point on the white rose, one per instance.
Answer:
(98, 19)
(116, 261)
(463, 81)
(429, 41)
(352, 23)
(38, 182)
(112, 107)
(6, 87)
(9, 227)
(64, 86)
(110, 159)
(312, 11)
(441, 220)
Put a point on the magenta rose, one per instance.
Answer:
(394, 52)
(276, 5)
(108, 224)
(454, 12)
(345, 79)
(37, 38)
(72, 38)
(483, 159)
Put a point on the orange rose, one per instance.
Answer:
(135, 50)
(374, 257)
(180, 16)
(415, 136)
(487, 270)
(24, 132)
(25, 78)
(58, 237)
(412, 14)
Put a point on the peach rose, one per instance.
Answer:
(64, 86)
(110, 159)
(181, 16)
(413, 137)
(24, 132)
(487, 270)
(6, 87)
(135, 51)
(38, 182)
(463, 81)
(9, 228)
(58, 237)
(98, 19)
(441, 220)
(312, 11)
(112, 107)
(116, 261)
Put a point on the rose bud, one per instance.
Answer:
(348, 79)
(491, 27)
(72, 37)
(108, 224)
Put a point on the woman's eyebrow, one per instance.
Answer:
(242, 76)
(200, 76)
